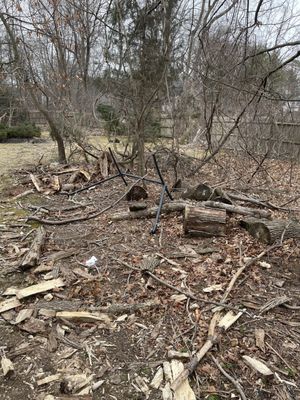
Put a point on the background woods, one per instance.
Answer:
(205, 69)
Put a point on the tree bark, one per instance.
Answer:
(269, 231)
(206, 222)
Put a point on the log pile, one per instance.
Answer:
(205, 209)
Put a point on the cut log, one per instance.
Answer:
(137, 206)
(31, 259)
(269, 231)
(239, 209)
(204, 192)
(148, 213)
(136, 193)
(200, 192)
(205, 222)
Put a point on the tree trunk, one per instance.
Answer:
(269, 231)
(204, 222)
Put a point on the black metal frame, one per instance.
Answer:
(137, 177)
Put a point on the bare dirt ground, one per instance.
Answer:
(123, 353)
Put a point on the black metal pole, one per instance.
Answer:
(157, 218)
(94, 184)
(161, 178)
(117, 166)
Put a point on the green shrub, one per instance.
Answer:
(112, 123)
(3, 136)
(24, 131)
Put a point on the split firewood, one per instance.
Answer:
(157, 379)
(40, 287)
(229, 319)
(7, 366)
(37, 183)
(31, 259)
(270, 231)
(200, 221)
(257, 366)
(83, 316)
(9, 304)
(184, 391)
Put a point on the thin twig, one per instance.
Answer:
(230, 378)
(187, 294)
(87, 217)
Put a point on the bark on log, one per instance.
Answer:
(206, 222)
(31, 259)
(148, 213)
(239, 209)
(269, 231)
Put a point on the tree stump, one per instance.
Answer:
(205, 222)
(269, 231)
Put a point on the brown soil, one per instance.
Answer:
(136, 345)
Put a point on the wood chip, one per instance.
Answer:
(179, 355)
(24, 314)
(157, 379)
(48, 379)
(213, 288)
(229, 319)
(9, 304)
(7, 366)
(73, 383)
(257, 366)
(178, 298)
(34, 325)
(40, 287)
(260, 339)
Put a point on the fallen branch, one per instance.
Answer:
(148, 213)
(238, 209)
(85, 218)
(230, 378)
(176, 289)
(31, 259)
(241, 269)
